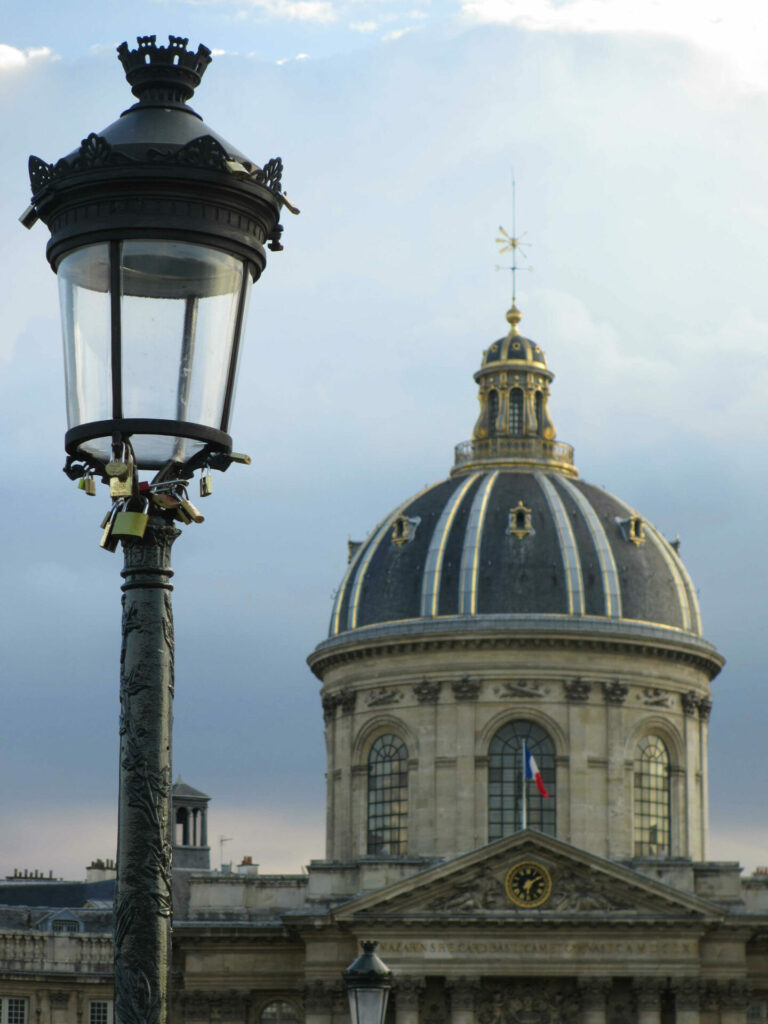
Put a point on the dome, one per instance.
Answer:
(514, 542)
(513, 533)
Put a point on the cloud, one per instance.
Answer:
(398, 33)
(319, 11)
(736, 32)
(11, 57)
(364, 26)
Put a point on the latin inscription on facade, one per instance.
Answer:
(568, 949)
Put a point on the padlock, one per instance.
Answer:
(194, 514)
(131, 524)
(108, 540)
(89, 485)
(117, 467)
(182, 516)
(121, 487)
(206, 483)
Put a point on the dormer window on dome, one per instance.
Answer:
(632, 529)
(404, 529)
(519, 521)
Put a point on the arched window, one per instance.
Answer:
(539, 404)
(279, 1012)
(505, 781)
(516, 412)
(651, 810)
(388, 795)
(493, 413)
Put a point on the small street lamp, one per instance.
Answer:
(368, 981)
(158, 227)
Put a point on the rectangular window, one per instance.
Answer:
(13, 1010)
(758, 1012)
(100, 1012)
(65, 924)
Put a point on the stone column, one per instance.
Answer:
(686, 1000)
(594, 992)
(461, 997)
(408, 993)
(318, 1002)
(734, 1002)
(648, 999)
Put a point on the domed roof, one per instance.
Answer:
(513, 533)
(515, 542)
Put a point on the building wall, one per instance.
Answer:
(446, 705)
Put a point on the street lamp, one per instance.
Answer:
(158, 227)
(368, 981)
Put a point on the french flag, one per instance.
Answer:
(531, 770)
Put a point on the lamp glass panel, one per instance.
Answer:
(179, 312)
(83, 278)
(368, 1005)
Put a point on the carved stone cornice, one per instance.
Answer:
(526, 634)
(615, 692)
(427, 691)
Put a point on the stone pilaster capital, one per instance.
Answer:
(648, 992)
(409, 992)
(461, 993)
(735, 994)
(594, 992)
(687, 993)
(318, 996)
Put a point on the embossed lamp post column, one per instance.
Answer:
(158, 227)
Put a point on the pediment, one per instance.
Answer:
(582, 885)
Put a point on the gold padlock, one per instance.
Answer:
(108, 540)
(121, 487)
(131, 524)
(90, 485)
(206, 484)
(194, 514)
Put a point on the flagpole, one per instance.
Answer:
(525, 788)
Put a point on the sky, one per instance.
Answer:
(637, 135)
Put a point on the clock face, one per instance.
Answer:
(528, 884)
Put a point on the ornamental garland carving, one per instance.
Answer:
(384, 696)
(654, 697)
(427, 691)
(615, 692)
(526, 1002)
(577, 690)
(521, 688)
(572, 891)
(482, 892)
(466, 688)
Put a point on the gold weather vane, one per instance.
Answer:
(513, 243)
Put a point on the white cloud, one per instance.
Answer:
(319, 11)
(398, 33)
(364, 26)
(736, 31)
(11, 57)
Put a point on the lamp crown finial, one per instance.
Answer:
(163, 73)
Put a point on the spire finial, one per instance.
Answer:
(513, 243)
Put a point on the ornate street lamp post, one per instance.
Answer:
(158, 227)
(368, 981)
